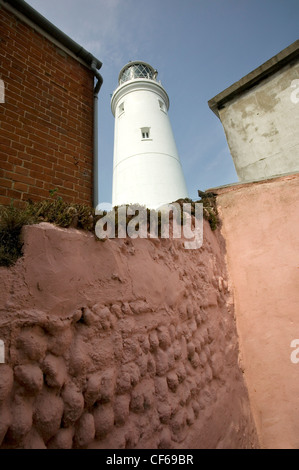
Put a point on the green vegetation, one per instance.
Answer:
(64, 214)
(208, 201)
(11, 223)
(53, 211)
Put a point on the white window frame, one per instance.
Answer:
(145, 133)
(162, 106)
(121, 108)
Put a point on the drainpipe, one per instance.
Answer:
(95, 133)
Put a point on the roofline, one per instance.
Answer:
(34, 16)
(280, 60)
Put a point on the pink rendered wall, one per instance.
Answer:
(260, 223)
(124, 344)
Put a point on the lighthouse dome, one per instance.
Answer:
(136, 69)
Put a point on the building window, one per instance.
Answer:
(162, 106)
(145, 133)
(121, 108)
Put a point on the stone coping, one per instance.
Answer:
(240, 185)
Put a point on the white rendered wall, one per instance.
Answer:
(262, 127)
(145, 171)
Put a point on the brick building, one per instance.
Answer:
(48, 110)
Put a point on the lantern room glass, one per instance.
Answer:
(136, 71)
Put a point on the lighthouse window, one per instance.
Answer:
(142, 71)
(162, 106)
(137, 70)
(121, 109)
(145, 132)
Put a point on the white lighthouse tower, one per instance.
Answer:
(146, 165)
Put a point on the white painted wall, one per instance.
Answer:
(145, 171)
(262, 126)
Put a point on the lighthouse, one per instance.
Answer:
(146, 165)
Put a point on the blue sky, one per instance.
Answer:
(199, 47)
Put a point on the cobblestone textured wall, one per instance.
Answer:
(122, 344)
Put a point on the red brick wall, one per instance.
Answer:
(46, 120)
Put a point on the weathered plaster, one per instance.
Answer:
(260, 224)
(260, 117)
(261, 127)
